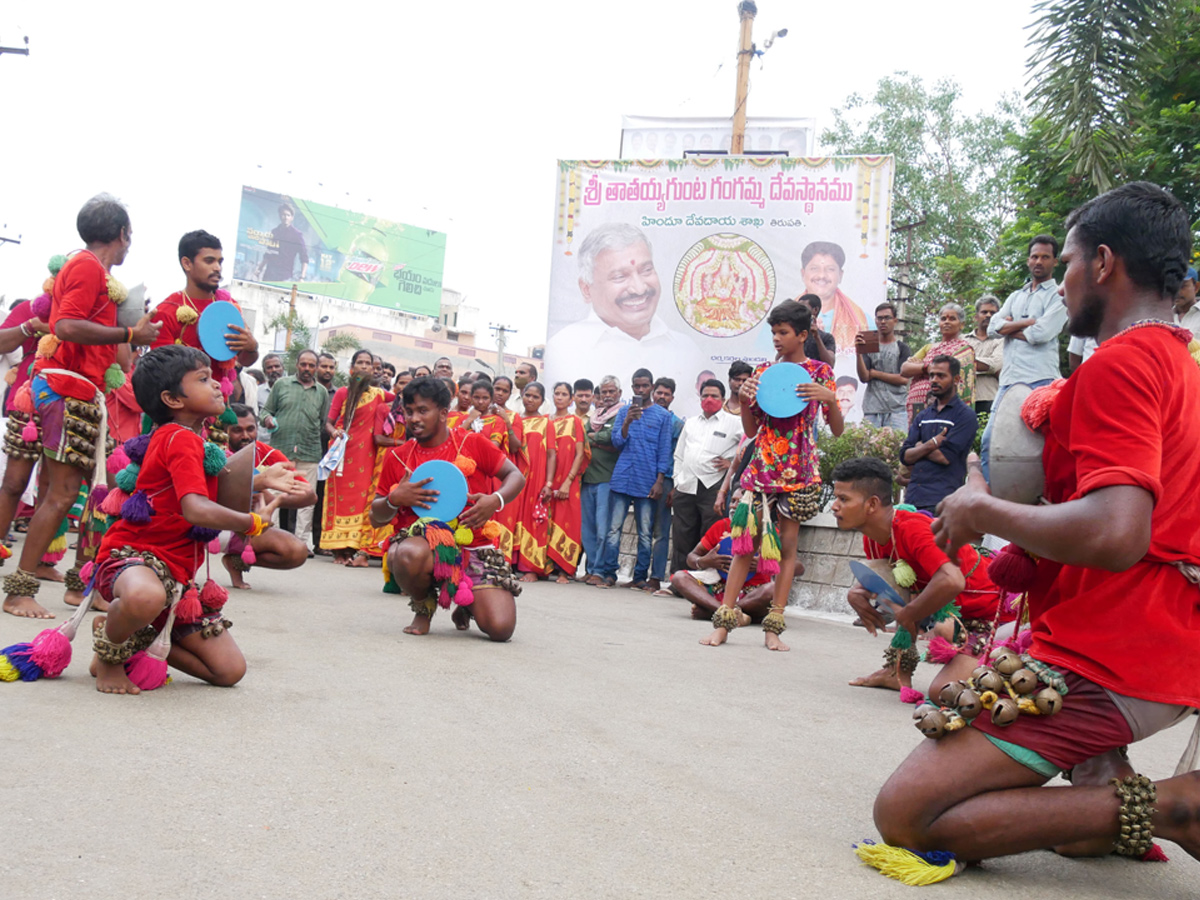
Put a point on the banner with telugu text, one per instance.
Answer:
(673, 265)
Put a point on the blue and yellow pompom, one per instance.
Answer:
(907, 866)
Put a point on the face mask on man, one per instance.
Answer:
(710, 405)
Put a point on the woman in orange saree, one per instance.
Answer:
(360, 411)
(532, 525)
(572, 456)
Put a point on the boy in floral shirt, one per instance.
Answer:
(782, 479)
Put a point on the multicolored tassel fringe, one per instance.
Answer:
(907, 866)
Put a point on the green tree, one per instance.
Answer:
(301, 337)
(953, 170)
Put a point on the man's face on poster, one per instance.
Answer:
(286, 216)
(624, 290)
(845, 397)
(822, 276)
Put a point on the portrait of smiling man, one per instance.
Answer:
(623, 330)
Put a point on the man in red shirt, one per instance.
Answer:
(68, 384)
(400, 501)
(1113, 606)
(703, 581)
(275, 548)
(862, 501)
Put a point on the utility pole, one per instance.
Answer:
(903, 269)
(501, 332)
(287, 343)
(20, 51)
(746, 11)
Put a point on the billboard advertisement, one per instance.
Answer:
(332, 252)
(674, 265)
(655, 137)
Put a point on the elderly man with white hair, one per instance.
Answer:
(624, 329)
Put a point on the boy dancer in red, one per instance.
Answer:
(141, 565)
(1113, 606)
(782, 476)
(410, 559)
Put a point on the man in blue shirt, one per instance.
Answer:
(642, 432)
(940, 438)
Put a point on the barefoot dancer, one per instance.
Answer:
(274, 548)
(69, 381)
(862, 501)
(141, 564)
(400, 501)
(702, 582)
(1114, 598)
(782, 478)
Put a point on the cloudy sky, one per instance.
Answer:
(444, 115)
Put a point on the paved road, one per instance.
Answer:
(602, 753)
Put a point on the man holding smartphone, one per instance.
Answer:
(879, 370)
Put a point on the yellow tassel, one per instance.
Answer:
(387, 573)
(116, 290)
(903, 865)
(7, 672)
(1194, 350)
(463, 536)
(186, 315)
(904, 574)
(58, 545)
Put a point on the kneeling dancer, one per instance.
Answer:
(155, 549)
(435, 562)
(703, 581)
(1114, 598)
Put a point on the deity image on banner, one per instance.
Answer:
(724, 285)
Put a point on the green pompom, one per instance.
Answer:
(741, 515)
(949, 611)
(229, 417)
(904, 574)
(902, 639)
(114, 377)
(56, 263)
(127, 478)
(390, 587)
(214, 458)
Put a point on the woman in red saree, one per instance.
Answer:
(509, 517)
(360, 411)
(572, 456)
(495, 424)
(532, 525)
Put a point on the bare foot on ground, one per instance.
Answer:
(359, 561)
(49, 573)
(716, 639)
(420, 625)
(461, 617)
(774, 643)
(562, 579)
(235, 574)
(74, 598)
(883, 678)
(111, 679)
(25, 608)
(529, 578)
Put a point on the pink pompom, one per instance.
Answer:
(98, 495)
(52, 652)
(1013, 569)
(908, 695)
(1154, 854)
(40, 307)
(118, 460)
(113, 502)
(23, 401)
(742, 545)
(214, 546)
(941, 651)
(212, 595)
(227, 386)
(145, 671)
(29, 434)
(464, 596)
(188, 609)
(85, 573)
(768, 567)
(248, 555)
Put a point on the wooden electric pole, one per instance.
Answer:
(746, 11)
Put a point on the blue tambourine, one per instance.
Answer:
(214, 325)
(874, 582)
(451, 485)
(777, 390)
(725, 548)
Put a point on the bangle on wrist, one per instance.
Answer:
(258, 525)
(25, 330)
(387, 498)
(499, 497)
(128, 335)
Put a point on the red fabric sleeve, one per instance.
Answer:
(391, 474)
(915, 545)
(185, 451)
(165, 315)
(336, 404)
(488, 457)
(83, 284)
(1113, 435)
(713, 536)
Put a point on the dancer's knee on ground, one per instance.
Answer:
(899, 818)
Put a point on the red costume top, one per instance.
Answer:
(402, 460)
(80, 292)
(713, 537)
(173, 331)
(1128, 416)
(172, 469)
(912, 541)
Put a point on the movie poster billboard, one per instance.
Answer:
(673, 266)
(332, 252)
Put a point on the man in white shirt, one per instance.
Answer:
(623, 331)
(524, 374)
(704, 452)
(1187, 314)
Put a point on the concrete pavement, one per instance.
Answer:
(602, 753)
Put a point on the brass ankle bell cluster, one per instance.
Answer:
(1006, 688)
